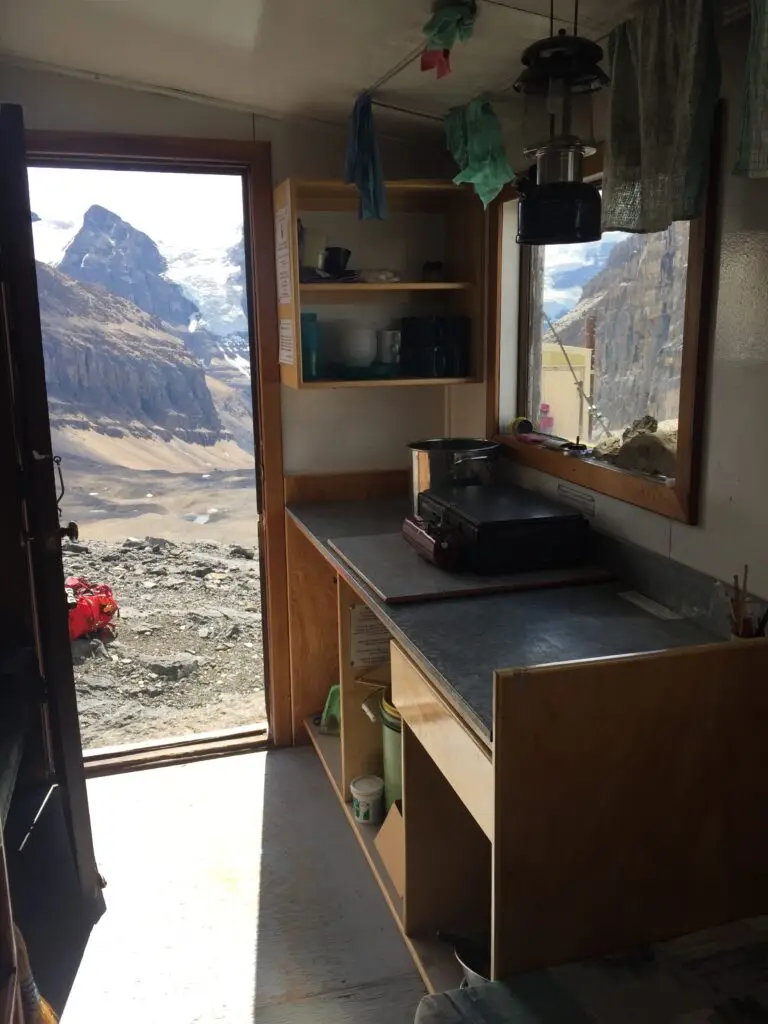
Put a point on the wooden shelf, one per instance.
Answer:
(390, 382)
(355, 287)
(433, 958)
(407, 244)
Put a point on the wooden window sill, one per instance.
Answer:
(643, 491)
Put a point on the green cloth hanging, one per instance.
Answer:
(752, 156)
(451, 22)
(474, 139)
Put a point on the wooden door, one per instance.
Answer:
(34, 493)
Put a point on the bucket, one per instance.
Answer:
(367, 803)
(391, 728)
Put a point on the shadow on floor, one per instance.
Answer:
(328, 948)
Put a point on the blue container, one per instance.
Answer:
(310, 347)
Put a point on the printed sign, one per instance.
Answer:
(369, 639)
(283, 256)
(287, 352)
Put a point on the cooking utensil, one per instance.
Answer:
(448, 460)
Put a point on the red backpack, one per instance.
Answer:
(91, 608)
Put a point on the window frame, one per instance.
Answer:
(680, 501)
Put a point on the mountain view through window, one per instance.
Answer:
(606, 335)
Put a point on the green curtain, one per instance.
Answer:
(665, 83)
(752, 155)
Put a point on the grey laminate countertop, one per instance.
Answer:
(460, 642)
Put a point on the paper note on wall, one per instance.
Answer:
(283, 256)
(369, 639)
(287, 352)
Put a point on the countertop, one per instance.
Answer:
(460, 642)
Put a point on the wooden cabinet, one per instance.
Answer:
(428, 222)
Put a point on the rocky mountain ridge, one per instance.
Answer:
(638, 304)
(114, 368)
(128, 352)
(109, 251)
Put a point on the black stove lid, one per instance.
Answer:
(498, 503)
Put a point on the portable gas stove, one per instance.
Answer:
(495, 528)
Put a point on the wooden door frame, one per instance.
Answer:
(253, 160)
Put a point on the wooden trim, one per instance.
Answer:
(182, 753)
(258, 732)
(357, 486)
(252, 159)
(313, 633)
(495, 228)
(680, 501)
(698, 330)
(95, 148)
(633, 488)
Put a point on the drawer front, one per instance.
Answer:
(458, 755)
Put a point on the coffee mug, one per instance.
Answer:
(335, 260)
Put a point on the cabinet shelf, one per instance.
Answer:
(314, 290)
(434, 958)
(389, 382)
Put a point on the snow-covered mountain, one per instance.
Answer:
(213, 279)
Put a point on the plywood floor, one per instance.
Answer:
(237, 892)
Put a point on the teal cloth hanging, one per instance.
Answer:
(752, 156)
(363, 167)
(474, 139)
(452, 21)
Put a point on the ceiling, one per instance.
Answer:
(291, 58)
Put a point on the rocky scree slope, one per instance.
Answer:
(188, 654)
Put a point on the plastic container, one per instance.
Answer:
(391, 730)
(368, 799)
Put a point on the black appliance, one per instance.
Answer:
(558, 212)
(435, 346)
(498, 528)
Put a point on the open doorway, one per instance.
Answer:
(142, 282)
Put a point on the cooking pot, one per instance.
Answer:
(449, 460)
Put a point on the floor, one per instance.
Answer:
(237, 892)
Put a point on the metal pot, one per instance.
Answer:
(449, 460)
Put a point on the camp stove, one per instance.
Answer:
(495, 528)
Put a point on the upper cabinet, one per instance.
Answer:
(379, 303)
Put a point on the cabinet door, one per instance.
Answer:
(34, 492)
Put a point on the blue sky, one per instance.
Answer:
(178, 211)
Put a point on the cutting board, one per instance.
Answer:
(397, 574)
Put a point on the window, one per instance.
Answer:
(608, 348)
(605, 335)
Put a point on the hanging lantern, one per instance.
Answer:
(560, 76)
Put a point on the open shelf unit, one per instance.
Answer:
(428, 221)
(433, 958)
